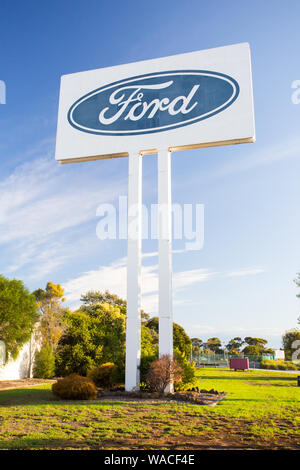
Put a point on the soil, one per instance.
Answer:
(23, 383)
(204, 398)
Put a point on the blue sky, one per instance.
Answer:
(241, 282)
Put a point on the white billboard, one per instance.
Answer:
(192, 100)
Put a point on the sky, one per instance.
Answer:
(241, 282)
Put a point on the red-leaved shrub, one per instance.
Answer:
(162, 372)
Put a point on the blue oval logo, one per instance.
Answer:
(153, 102)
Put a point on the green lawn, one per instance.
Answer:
(262, 410)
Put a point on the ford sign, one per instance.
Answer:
(153, 102)
(186, 101)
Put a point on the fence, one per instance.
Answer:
(222, 360)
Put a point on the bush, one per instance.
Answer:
(162, 371)
(189, 371)
(44, 363)
(101, 375)
(117, 375)
(75, 387)
(145, 364)
(278, 364)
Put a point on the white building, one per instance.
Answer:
(279, 354)
(22, 367)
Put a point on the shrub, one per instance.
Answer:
(146, 361)
(117, 375)
(44, 363)
(278, 364)
(75, 387)
(101, 375)
(189, 371)
(162, 371)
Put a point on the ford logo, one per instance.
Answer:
(154, 102)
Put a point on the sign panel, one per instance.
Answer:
(192, 100)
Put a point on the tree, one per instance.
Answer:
(52, 318)
(94, 298)
(197, 345)
(44, 363)
(91, 340)
(256, 347)
(288, 340)
(234, 345)
(214, 344)
(18, 314)
(180, 339)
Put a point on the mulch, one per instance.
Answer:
(196, 398)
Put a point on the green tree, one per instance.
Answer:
(44, 363)
(94, 298)
(214, 344)
(256, 347)
(91, 340)
(52, 319)
(181, 340)
(288, 339)
(197, 345)
(18, 314)
(234, 345)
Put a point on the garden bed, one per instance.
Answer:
(201, 397)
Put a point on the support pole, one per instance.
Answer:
(165, 255)
(133, 321)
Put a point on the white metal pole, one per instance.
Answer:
(133, 322)
(165, 254)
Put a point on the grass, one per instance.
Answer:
(262, 410)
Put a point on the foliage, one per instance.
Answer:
(101, 375)
(92, 299)
(214, 344)
(149, 341)
(288, 339)
(18, 314)
(189, 371)
(51, 324)
(181, 340)
(75, 387)
(44, 363)
(197, 345)
(91, 340)
(162, 371)
(256, 347)
(146, 361)
(117, 375)
(234, 345)
(279, 364)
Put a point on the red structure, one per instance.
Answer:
(239, 363)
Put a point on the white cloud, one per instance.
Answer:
(245, 272)
(114, 278)
(39, 202)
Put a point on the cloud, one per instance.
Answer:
(234, 331)
(256, 158)
(41, 206)
(245, 272)
(114, 278)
